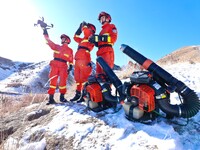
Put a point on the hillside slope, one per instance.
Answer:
(189, 54)
(72, 126)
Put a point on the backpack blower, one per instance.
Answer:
(145, 95)
(97, 91)
(148, 92)
(139, 93)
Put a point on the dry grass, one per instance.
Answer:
(10, 104)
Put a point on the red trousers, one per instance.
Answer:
(82, 71)
(58, 71)
(109, 59)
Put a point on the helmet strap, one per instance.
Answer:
(65, 41)
(105, 21)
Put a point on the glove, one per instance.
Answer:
(93, 39)
(70, 68)
(89, 64)
(45, 31)
(84, 24)
(79, 31)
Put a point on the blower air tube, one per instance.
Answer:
(107, 94)
(114, 80)
(191, 102)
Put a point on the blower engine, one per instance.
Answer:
(142, 93)
(138, 97)
(151, 91)
(145, 95)
(97, 93)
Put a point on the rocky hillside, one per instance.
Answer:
(73, 126)
(6, 61)
(70, 126)
(189, 54)
(21, 77)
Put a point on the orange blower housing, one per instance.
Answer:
(145, 95)
(95, 92)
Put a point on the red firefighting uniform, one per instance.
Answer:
(58, 66)
(105, 49)
(82, 68)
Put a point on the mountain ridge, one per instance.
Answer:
(21, 77)
(190, 54)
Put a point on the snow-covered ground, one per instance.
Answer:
(21, 80)
(112, 131)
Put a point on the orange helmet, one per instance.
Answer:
(68, 40)
(104, 14)
(92, 27)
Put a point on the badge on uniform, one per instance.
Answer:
(114, 30)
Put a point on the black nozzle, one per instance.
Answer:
(158, 73)
(112, 76)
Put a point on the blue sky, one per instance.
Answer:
(155, 28)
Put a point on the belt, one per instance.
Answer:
(104, 45)
(83, 47)
(61, 60)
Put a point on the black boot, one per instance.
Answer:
(62, 98)
(81, 99)
(76, 97)
(51, 100)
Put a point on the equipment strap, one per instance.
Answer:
(83, 47)
(61, 60)
(130, 113)
(104, 45)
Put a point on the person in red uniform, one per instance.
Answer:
(59, 66)
(82, 68)
(105, 41)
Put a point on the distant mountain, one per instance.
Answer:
(190, 54)
(23, 77)
(7, 67)
(116, 67)
(5, 61)
(20, 77)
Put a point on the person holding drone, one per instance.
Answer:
(60, 66)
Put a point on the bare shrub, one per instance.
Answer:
(191, 62)
(5, 103)
(14, 85)
(11, 104)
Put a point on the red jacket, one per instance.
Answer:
(61, 51)
(111, 31)
(83, 42)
